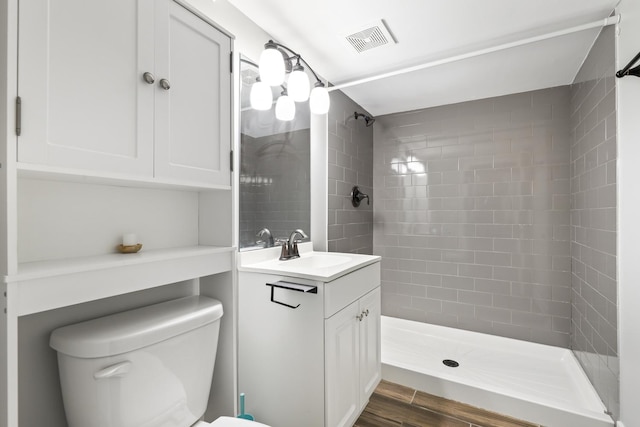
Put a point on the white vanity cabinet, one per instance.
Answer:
(352, 347)
(309, 358)
(143, 91)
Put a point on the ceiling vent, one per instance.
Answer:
(374, 35)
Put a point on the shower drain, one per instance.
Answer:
(451, 363)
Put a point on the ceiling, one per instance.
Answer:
(430, 30)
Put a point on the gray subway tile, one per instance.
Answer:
(427, 304)
(492, 286)
(475, 298)
(443, 294)
(532, 320)
(493, 314)
(493, 258)
(456, 282)
(475, 271)
(458, 309)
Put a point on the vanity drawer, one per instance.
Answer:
(346, 289)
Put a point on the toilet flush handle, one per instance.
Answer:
(118, 370)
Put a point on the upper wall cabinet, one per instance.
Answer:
(126, 88)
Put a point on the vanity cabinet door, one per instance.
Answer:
(370, 359)
(85, 104)
(353, 368)
(193, 107)
(342, 350)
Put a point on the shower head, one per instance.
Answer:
(367, 119)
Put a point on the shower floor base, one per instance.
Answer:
(534, 382)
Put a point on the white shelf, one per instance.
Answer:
(45, 285)
(28, 170)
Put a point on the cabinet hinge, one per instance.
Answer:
(18, 115)
(231, 62)
(231, 160)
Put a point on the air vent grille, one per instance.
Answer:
(374, 35)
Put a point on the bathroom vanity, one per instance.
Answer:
(309, 336)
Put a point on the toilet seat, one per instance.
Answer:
(230, 422)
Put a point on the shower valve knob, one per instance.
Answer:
(357, 196)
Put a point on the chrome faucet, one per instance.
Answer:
(268, 240)
(290, 247)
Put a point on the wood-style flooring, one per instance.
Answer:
(393, 405)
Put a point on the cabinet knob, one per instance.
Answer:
(164, 84)
(149, 78)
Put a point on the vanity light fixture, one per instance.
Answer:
(271, 66)
(275, 64)
(299, 83)
(261, 96)
(285, 107)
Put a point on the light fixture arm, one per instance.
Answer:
(248, 61)
(295, 55)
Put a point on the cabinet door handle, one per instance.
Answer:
(149, 78)
(366, 312)
(359, 317)
(164, 84)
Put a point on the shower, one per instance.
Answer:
(368, 119)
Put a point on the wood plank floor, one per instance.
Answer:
(393, 405)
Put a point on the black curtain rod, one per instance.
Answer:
(628, 71)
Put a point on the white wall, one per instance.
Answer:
(319, 190)
(628, 45)
(249, 38)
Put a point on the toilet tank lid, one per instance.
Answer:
(134, 329)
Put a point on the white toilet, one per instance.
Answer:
(149, 367)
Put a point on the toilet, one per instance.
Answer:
(148, 367)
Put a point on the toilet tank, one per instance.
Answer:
(148, 367)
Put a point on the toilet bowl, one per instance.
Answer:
(148, 367)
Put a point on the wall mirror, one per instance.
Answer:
(274, 168)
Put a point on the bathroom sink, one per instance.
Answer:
(322, 266)
(316, 260)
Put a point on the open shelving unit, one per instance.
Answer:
(47, 285)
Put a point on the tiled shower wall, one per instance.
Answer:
(350, 159)
(472, 215)
(593, 219)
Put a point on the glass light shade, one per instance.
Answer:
(298, 86)
(261, 96)
(285, 108)
(271, 67)
(319, 100)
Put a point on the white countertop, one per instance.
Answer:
(320, 266)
